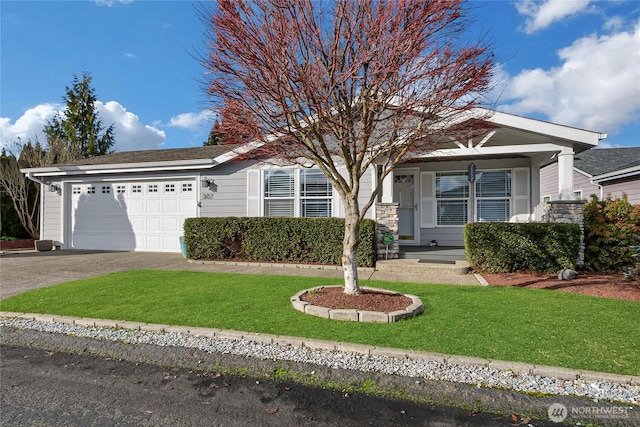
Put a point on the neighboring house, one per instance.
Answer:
(606, 172)
(139, 200)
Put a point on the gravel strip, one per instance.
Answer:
(429, 370)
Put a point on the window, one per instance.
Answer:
(169, 188)
(91, 189)
(187, 187)
(289, 192)
(493, 196)
(452, 198)
(76, 190)
(279, 193)
(120, 189)
(136, 188)
(152, 188)
(315, 194)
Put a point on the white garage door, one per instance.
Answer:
(131, 216)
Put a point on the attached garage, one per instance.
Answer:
(144, 215)
(127, 201)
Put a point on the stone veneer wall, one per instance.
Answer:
(387, 222)
(570, 212)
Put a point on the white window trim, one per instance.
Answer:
(297, 198)
(510, 199)
(474, 208)
(436, 199)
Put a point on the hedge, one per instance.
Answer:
(296, 240)
(498, 247)
(611, 227)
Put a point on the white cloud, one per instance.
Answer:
(543, 14)
(192, 121)
(27, 126)
(596, 87)
(130, 55)
(130, 133)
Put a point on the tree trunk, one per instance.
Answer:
(350, 246)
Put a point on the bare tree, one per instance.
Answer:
(23, 193)
(363, 84)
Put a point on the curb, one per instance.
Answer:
(503, 365)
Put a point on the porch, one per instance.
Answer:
(433, 254)
(442, 264)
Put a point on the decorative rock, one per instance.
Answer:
(567, 274)
(420, 365)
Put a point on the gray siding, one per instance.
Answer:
(629, 186)
(549, 181)
(581, 183)
(230, 195)
(613, 189)
(52, 220)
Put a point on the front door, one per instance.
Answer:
(405, 193)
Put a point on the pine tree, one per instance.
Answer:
(78, 132)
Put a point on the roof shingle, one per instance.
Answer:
(144, 156)
(605, 160)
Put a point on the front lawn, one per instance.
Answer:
(526, 325)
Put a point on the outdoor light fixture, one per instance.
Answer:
(205, 182)
(53, 188)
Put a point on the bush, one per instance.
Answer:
(304, 240)
(498, 247)
(611, 228)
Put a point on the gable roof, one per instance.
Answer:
(542, 137)
(607, 161)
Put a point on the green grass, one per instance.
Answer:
(527, 325)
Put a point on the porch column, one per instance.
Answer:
(387, 222)
(387, 189)
(565, 174)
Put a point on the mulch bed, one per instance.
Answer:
(6, 245)
(599, 285)
(335, 298)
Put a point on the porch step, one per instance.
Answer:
(422, 266)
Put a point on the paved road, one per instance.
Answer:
(51, 388)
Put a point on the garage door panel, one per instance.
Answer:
(136, 206)
(144, 216)
(153, 206)
(170, 206)
(153, 225)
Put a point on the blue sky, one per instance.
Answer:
(575, 63)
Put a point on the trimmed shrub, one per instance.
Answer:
(302, 240)
(611, 228)
(499, 247)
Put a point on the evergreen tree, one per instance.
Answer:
(79, 132)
